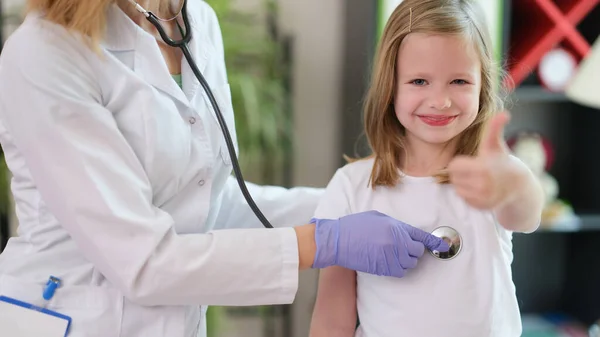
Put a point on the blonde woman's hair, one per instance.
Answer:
(87, 17)
(384, 132)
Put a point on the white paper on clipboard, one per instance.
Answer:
(19, 319)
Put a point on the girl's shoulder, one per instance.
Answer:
(357, 173)
(347, 190)
(360, 166)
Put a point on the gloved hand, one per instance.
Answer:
(371, 242)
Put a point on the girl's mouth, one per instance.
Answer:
(436, 120)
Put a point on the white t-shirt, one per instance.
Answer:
(471, 295)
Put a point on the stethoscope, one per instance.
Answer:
(448, 234)
(183, 45)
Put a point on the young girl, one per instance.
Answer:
(439, 159)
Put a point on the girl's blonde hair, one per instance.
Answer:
(383, 130)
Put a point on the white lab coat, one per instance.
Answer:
(117, 172)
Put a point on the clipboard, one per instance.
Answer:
(21, 319)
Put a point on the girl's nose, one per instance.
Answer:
(440, 103)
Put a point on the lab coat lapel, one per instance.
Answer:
(123, 37)
(191, 85)
(150, 66)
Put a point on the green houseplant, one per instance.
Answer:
(258, 72)
(10, 19)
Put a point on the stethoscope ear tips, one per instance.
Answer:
(452, 238)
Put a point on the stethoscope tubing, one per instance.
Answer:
(183, 45)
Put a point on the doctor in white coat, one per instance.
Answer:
(123, 189)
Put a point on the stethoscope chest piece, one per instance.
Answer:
(452, 237)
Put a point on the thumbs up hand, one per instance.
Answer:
(489, 179)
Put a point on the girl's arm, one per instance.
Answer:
(523, 212)
(335, 314)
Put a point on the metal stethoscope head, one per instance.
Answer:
(452, 238)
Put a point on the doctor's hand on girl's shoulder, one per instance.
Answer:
(369, 242)
(492, 177)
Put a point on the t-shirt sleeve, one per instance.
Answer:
(336, 201)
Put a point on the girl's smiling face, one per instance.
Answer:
(438, 87)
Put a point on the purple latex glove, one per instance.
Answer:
(371, 242)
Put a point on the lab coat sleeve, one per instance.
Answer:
(91, 180)
(281, 206)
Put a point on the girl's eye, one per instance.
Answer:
(459, 82)
(419, 81)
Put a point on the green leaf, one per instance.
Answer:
(257, 75)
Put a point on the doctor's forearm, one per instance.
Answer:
(307, 246)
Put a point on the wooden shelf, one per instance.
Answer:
(553, 267)
(535, 93)
(553, 323)
(583, 223)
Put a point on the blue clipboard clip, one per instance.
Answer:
(53, 283)
(49, 291)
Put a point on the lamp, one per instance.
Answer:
(584, 87)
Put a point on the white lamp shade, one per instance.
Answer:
(584, 87)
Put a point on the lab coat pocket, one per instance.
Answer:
(223, 97)
(95, 311)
